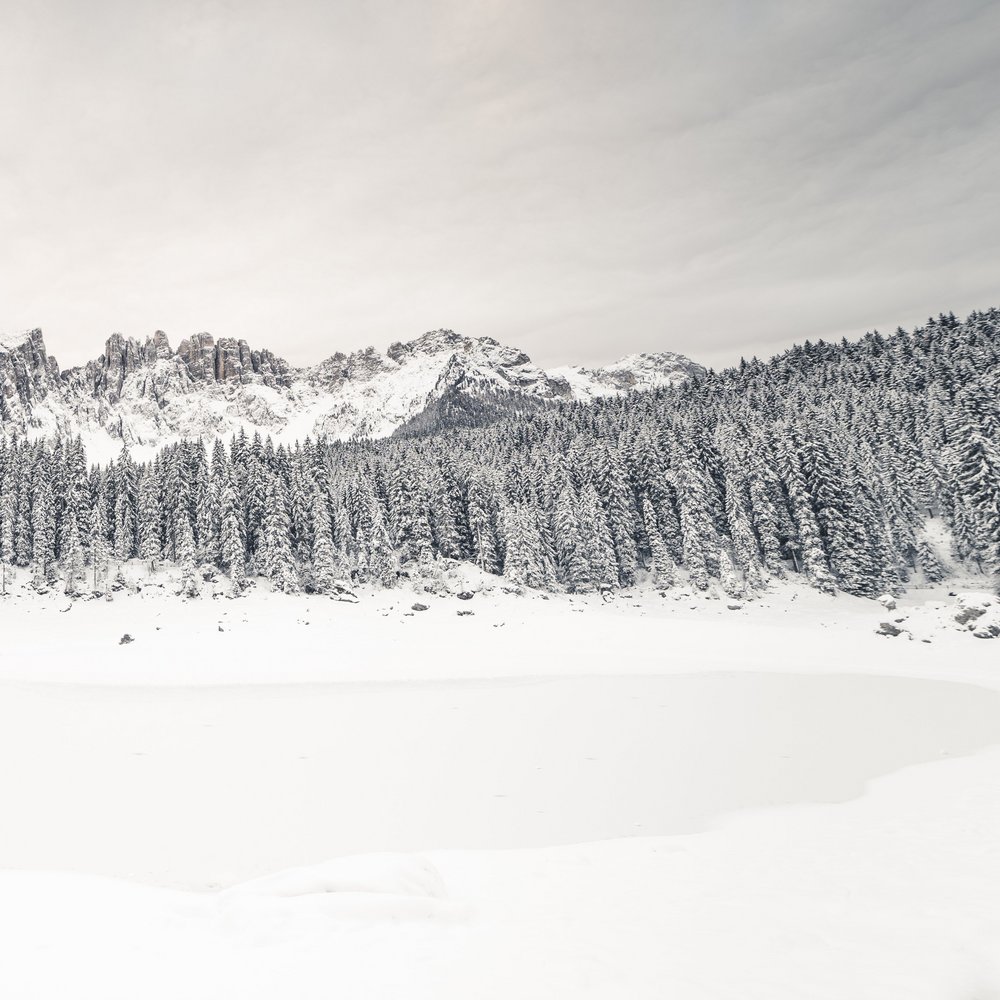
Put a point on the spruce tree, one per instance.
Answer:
(149, 520)
(324, 560)
(74, 570)
(99, 554)
(277, 561)
(664, 570)
(597, 541)
(232, 548)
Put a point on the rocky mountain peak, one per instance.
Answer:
(143, 393)
(431, 343)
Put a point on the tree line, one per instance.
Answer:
(826, 462)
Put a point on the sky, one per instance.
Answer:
(582, 179)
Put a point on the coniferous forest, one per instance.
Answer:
(826, 462)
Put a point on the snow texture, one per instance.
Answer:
(886, 888)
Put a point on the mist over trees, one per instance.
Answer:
(825, 462)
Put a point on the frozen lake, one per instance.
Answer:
(207, 786)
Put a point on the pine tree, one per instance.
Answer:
(324, 559)
(125, 502)
(190, 585)
(698, 535)
(597, 541)
(930, 565)
(977, 474)
(664, 570)
(809, 546)
(621, 514)
(525, 559)
(412, 528)
(232, 549)
(72, 555)
(8, 515)
(42, 528)
(728, 577)
(278, 563)
(99, 555)
(481, 528)
(380, 559)
(569, 544)
(149, 520)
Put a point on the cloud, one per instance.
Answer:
(580, 179)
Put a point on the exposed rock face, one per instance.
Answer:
(228, 362)
(27, 375)
(200, 358)
(272, 369)
(122, 356)
(198, 353)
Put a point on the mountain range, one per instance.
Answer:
(145, 394)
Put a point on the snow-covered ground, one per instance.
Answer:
(642, 797)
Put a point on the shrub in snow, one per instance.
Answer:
(418, 607)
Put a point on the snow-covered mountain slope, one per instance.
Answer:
(145, 394)
(637, 372)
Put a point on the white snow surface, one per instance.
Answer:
(663, 796)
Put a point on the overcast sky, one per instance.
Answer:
(580, 179)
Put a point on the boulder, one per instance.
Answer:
(969, 613)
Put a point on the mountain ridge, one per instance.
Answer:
(145, 394)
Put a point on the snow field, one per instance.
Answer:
(779, 802)
(889, 895)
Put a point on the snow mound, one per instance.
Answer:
(383, 874)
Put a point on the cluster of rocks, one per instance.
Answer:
(979, 614)
(203, 359)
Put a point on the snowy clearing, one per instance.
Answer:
(772, 801)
